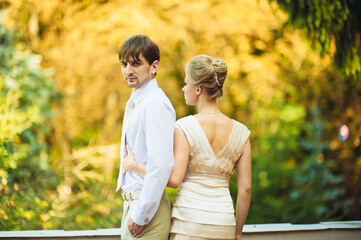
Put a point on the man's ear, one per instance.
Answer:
(155, 66)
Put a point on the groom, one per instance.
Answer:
(148, 128)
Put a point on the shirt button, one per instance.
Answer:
(146, 220)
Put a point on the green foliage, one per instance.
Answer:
(271, 88)
(274, 164)
(26, 96)
(318, 191)
(325, 21)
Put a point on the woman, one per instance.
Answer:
(207, 148)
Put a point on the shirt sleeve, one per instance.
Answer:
(159, 123)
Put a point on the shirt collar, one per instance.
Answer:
(138, 95)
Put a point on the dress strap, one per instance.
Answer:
(239, 139)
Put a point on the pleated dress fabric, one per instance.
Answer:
(203, 207)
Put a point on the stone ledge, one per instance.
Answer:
(251, 231)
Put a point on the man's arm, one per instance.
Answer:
(181, 155)
(159, 124)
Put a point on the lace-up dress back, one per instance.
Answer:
(203, 207)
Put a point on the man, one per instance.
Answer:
(148, 129)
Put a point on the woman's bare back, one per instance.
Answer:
(217, 128)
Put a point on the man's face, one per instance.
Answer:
(137, 72)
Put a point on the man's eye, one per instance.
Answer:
(124, 64)
(184, 83)
(137, 64)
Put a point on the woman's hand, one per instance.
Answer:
(129, 162)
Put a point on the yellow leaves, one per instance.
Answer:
(102, 209)
(41, 203)
(83, 218)
(87, 166)
(12, 121)
(64, 191)
(3, 214)
(293, 112)
(291, 164)
(45, 217)
(29, 215)
(82, 39)
(252, 66)
(4, 181)
(335, 144)
(239, 94)
(264, 182)
(320, 158)
(356, 142)
(358, 163)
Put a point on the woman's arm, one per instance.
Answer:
(181, 155)
(129, 164)
(243, 170)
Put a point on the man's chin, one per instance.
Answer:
(132, 84)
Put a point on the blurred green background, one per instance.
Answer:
(294, 80)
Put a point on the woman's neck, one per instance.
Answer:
(206, 106)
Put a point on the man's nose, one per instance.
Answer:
(129, 69)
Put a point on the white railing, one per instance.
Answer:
(350, 230)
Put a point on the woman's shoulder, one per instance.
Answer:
(241, 127)
(185, 119)
(185, 123)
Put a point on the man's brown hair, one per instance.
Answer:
(139, 45)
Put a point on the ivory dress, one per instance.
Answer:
(203, 207)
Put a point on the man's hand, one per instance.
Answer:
(134, 228)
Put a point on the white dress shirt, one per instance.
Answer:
(149, 133)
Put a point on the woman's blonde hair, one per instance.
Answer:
(209, 73)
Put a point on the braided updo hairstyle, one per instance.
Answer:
(209, 73)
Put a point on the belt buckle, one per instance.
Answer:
(125, 196)
(128, 196)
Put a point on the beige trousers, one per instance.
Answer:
(158, 228)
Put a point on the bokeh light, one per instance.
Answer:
(343, 134)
